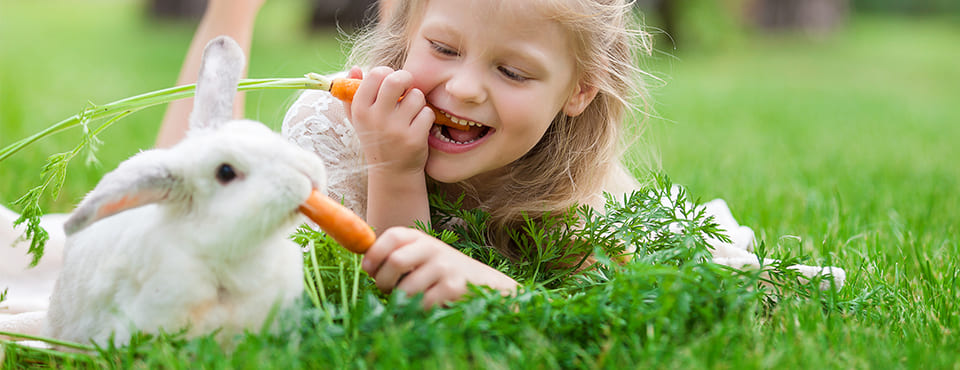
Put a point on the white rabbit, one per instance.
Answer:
(193, 237)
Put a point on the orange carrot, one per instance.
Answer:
(442, 119)
(339, 222)
(345, 88)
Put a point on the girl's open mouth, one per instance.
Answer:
(456, 140)
(457, 136)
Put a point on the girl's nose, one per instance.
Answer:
(467, 85)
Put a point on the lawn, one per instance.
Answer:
(840, 149)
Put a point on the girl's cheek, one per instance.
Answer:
(422, 81)
(426, 72)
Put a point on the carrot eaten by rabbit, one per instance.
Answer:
(339, 222)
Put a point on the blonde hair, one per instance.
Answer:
(575, 156)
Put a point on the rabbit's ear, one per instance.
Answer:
(220, 71)
(139, 181)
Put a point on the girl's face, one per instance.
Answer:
(502, 66)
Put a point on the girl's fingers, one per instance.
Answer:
(355, 72)
(369, 89)
(394, 86)
(432, 298)
(411, 103)
(445, 291)
(424, 120)
(415, 262)
(403, 260)
(414, 105)
(386, 93)
(395, 253)
(389, 240)
(419, 280)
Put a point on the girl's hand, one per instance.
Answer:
(414, 262)
(393, 132)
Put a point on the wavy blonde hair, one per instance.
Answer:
(570, 163)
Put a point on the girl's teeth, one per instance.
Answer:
(461, 121)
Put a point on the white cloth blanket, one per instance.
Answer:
(28, 289)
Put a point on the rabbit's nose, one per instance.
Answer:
(314, 170)
(316, 183)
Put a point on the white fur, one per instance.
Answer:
(186, 250)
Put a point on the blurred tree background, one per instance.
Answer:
(680, 24)
(347, 14)
(705, 24)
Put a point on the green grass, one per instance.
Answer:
(840, 149)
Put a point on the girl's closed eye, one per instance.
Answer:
(443, 49)
(512, 74)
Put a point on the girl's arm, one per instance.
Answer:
(234, 18)
(396, 199)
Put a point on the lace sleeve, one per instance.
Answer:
(318, 122)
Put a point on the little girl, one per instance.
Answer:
(545, 87)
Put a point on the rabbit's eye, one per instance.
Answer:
(225, 173)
